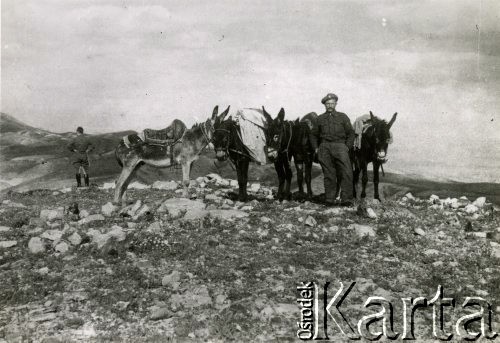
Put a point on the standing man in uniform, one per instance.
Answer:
(332, 137)
(81, 146)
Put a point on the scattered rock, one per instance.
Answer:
(108, 185)
(310, 221)
(265, 219)
(212, 197)
(228, 214)
(52, 235)
(154, 227)
(175, 206)
(371, 213)
(75, 239)
(138, 185)
(7, 244)
(165, 185)
(434, 199)
(479, 202)
(50, 215)
(419, 231)
(479, 234)
(172, 280)
(4, 228)
(117, 233)
(43, 317)
(430, 252)
(62, 247)
(36, 246)
(409, 196)
(192, 298)
(471, 209)
(84, 213)
(362, 230)
(108, 209)
(161, 313)
(142, 212)
(90, 218)
(495, 249)
(254, 187)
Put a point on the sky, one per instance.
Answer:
(112, 65)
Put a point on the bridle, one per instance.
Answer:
(280, 139)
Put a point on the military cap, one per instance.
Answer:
(329, 96)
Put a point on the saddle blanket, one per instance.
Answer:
(252, 125)
(360, 125)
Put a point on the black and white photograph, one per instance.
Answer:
(249, 171)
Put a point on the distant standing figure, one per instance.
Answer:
(332, 138)
(81, 146)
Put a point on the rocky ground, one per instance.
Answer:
(74, 267)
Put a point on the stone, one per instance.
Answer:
(212, 197)
(138, 185)
(214, 177)
(228, 214)
(409, 196)
(75, 239)
(36, 246)
(4, 228)
(45, 317)
(495, 249)
(175, 206)
(117, 233)
(246, 208)
(108, 209)
(52, 235)
(434, 199)
(161, 313)
(479, 202)
(50, 215)
(371, 213)
(419, 231)
(165, 185)
(154, 227)
(7, 244)
(265, 220)
(471, 209)
(310, 221)
(479, 234)
(254, 187)
(172, 279)
(233, 183)
(98, 238)
(84, 214)
(192, 298)
(193, 214)
(62, 247)
(430, 252)
(108, 185)
(91, 218)
(141, 212)
(362, 230)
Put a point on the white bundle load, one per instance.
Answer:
(252, 125)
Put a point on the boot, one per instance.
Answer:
(86, 180)
(78, 180)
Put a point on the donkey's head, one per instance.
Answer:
(275, 133)
(222, 135)
(379, 136)
(209, 124)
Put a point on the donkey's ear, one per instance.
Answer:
(268, 117)
(224, 114)
(372, 117)
(393, 119)
(214, 112)
(281, 115)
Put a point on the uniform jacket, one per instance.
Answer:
(335, 127)
(81, 144)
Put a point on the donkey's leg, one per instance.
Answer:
(364, 179)
(245, 166)
(278, 166)
(376, 167)
(186, 172)
(308, 177)
(299, 167)
(123, 179)
(355, 180)
(288, 178)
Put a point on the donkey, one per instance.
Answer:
(373, 149)
(284, 140)
(184, 152)
(228, 144)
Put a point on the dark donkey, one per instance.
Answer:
(287, 139)
(228, 144)
(185, 150)
(374, 142)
